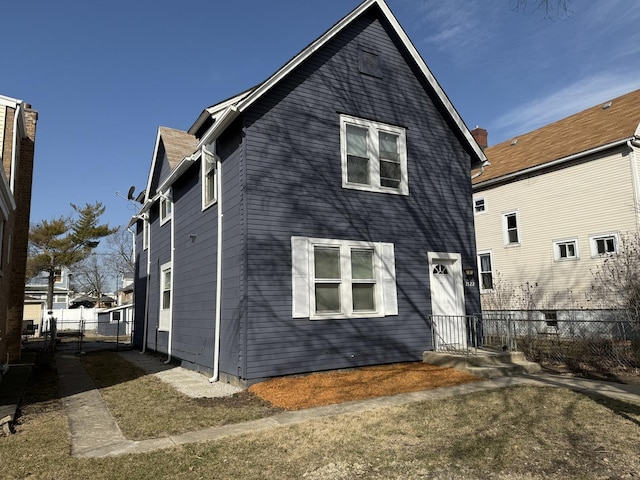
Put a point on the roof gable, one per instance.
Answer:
(171, 146)
(604, 124)
(224, 112)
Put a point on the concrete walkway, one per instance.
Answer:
(95, 433)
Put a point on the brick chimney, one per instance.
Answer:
(480, 135)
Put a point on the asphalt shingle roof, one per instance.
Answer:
(177, 144)
(581, 132)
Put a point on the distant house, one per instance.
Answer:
(315, 221)
(36, 287)
(17, 143)
(554, 202)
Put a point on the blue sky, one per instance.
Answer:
(104, 75)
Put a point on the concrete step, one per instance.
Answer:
(484, 364)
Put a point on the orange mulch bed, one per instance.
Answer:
(326, 388)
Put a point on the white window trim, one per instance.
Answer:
(566, 241)
(164, 314)
(484, 210)
(208, 160)
(480, 271)
(146, 234)
(505, 232)
(303, 284)
(594, 245)
(165, 198)
(372, 147)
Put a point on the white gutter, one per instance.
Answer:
(173, 274)
(229, 115)
(216, 342)
(544, 166)
(14, 147)
(485, 164)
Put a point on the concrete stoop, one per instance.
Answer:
(484, 363)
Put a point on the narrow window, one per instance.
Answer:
(327, 279)
(363, 280)
(486, 271)
(510, 222)
(357, 156)
(166, 207)
(166, 285)
(209, 187)
(166, 288)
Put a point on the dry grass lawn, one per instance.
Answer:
(318, 389)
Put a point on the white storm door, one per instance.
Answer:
(447, 300)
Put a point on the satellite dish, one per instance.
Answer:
(130, 194)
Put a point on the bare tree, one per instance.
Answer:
(93, 276)
(550, 9)
(616, 281)
(119, 254)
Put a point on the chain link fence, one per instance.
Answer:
(599, 341)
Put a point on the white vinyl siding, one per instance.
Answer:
(334, 279)
(555, 206)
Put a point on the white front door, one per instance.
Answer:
(447, 300)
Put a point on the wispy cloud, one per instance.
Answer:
(574, 98)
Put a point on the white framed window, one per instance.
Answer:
(166, 207)
(566, 249)
(510, 228)
(334, 279)
(374, 156)
(479, 205)
(485, 267)
(166, 287)
(209, 178)
(604, 244)
(145, 233)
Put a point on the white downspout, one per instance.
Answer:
(635, 180)
(216, 343)
(173, 274)
(147, 226)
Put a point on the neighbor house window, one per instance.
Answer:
(510, 228)
(479, 205)
(566, 249)
(166, 285)
(374, 156)
(342, 279)
(166, 207)
(485, 267)
(209, 190)
(606, 244)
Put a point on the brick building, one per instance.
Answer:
(17, 140)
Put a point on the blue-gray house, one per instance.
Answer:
(315, 221)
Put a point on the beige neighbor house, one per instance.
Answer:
(554, 203)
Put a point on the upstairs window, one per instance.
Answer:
(479, 205)
(374, 156)
(209, 178)
(510, 228)
(166, 207)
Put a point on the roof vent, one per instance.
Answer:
(514, 141)
(606, 105)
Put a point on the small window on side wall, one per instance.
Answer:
(566, 249)
(485, 267)
(166, 207)
(209, 178)
(604, 244)
(479, 205)
(510, 226)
